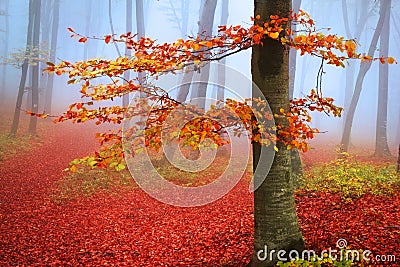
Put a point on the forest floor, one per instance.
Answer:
(129, 228)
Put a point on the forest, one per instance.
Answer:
(199, 133)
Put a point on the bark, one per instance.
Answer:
(206, 22)
(24, 72)
(381, 141)
(112, 26)
(35, 70)
(275, 218)
(5, 51)
(140, 30)
(89, 7)
(53, 48)
(128, 28)
(364, 67)
(293, 55)
(222, 62)
(294, 153)
(205, 30)
(359, 25)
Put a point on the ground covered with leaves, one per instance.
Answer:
(46, 221)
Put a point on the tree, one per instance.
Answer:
(364, 67)
(275, 219)
(53, 48)
(270, 37)
(4, 13)
(35, 68)
(24, 72)
(381, 142)
(206, 21)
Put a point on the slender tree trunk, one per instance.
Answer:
(112, 25)
(89, 7)
(364, 67)
(206, 22)
(140, 29)
(35, 71)
(128, 28)
(381, 142)
(24, 72)
(53, 48)
(222, 62)
(275, 218)
(205, 30)
(5, 51)
(359, 25)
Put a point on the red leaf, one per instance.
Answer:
(82, 40)
(108, 38)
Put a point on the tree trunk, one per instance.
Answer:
(53, 48)
(222, 62)
(35, 71)
(297, 168)
(89, 7)
(359, 25)
(381, 142)
(5, 52)
(24, 72)
(206, 21)
(128, 28)
(206, 24)
(364, 67)
(275, 218)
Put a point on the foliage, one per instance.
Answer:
(155, 59)
(32, 54)
(325, 261)
(352, 178)
(87, 182)
(131, 228)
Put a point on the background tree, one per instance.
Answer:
(381, 143)
(364, 67)
(24, 71)
(5, 17)
(52, 57)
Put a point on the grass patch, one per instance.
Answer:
(352, 179)
(10, 146)
(86, 182)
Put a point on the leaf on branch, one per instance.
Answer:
(82, 40)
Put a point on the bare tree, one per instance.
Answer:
(4, 13)
(53, 48)
(364, 67)
(24, 71)
(221, 66)
(381, 142)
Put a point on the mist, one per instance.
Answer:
(164, 22)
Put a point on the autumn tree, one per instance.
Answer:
(270, 37)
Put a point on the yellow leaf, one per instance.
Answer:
(73, 168)
(282, 110)
(274, 35)
(276, 148)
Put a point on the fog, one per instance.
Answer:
(162, 20)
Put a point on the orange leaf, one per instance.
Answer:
(391, 60)
(70, 29)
